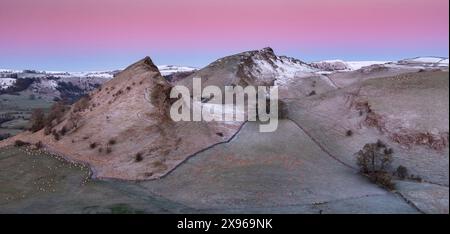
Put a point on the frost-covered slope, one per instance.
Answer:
(340, 65)
(426, 61)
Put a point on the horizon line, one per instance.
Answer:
(2, 69)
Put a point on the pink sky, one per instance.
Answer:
(200, 29)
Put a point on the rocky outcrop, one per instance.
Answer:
(257, 67)
(122, 130)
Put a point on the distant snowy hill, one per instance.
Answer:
(340, 65)
(52, 84)
(50, 79)
(171, 69)
(6, 82)
(164, 69)
(428, 61)
(60, 74)
(261, 65)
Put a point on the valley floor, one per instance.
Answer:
(279, 172)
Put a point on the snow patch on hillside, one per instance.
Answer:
(355, 65)
(282, 69)
(170, 69)
(426, 59)
(95, 74)
(46, 84)
(444, 61)
(6, 82)
(88, 74)
(330, 65)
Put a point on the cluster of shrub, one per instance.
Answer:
(108, 148)
(70, 92)
(374, 161)
(39, 120)
(19, 143)
(138, 157)
(4, 136)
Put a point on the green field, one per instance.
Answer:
(36, 182)
(19, 107)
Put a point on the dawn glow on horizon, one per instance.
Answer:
(108, 34)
